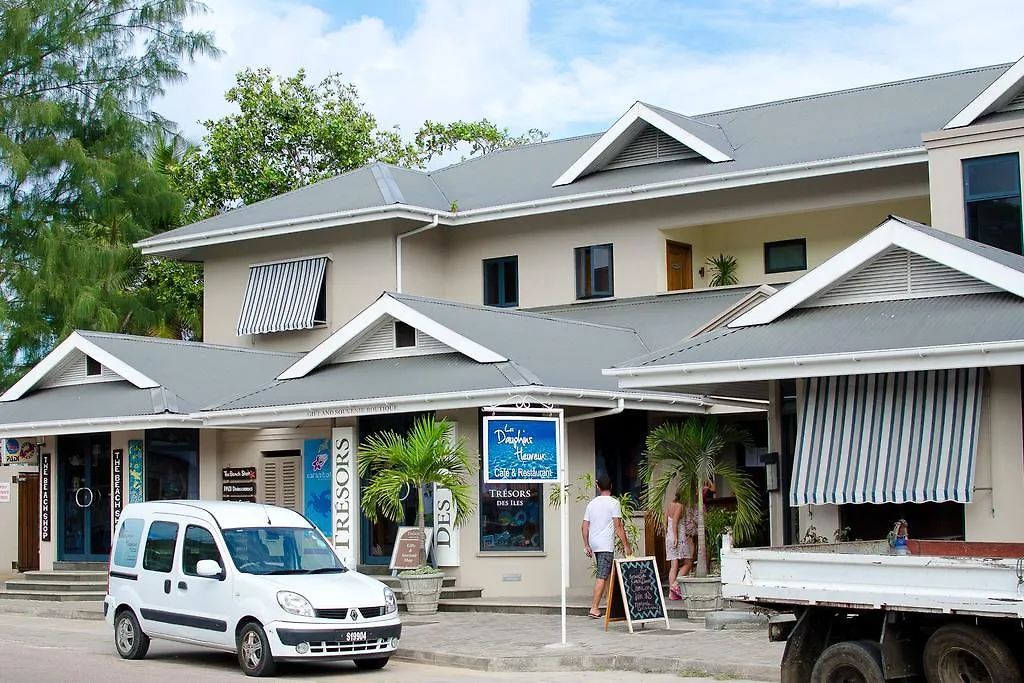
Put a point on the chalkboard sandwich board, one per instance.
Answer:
(634, 593)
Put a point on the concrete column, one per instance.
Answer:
(775, 507)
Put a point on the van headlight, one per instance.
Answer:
(293, 603)
(390, 601)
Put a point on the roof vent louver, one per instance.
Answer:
(649, 147)
(1016, 104)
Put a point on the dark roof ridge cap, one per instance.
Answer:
(716, 126)
(861, 88)
(508, 311)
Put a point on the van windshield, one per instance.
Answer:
(281, 550)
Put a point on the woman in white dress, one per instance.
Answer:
(677, 546)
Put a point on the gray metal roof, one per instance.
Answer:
(851, 328)
(660, 320)
(710, 132)
(96, 400)
(1000, 256)
(878, 118)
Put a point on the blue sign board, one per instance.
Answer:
(317, 475)
(521, 449)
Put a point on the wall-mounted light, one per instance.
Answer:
(700, 271)
(771, 470)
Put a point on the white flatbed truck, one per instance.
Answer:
(948, 612)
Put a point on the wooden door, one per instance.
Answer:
(28, 521)
(654, 544)
(680, 266)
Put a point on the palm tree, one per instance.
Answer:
(426, 455)
(685, 457)
(723, 269)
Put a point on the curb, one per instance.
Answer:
(51, 612)
(587, 662)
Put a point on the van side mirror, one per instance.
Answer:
(211, 569)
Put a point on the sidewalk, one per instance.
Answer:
(532, 642)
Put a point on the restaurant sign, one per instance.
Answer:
(521, 449)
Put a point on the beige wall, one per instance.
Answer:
(947, 150)
(995, 514)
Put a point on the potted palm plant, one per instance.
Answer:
(393, 464)
(685, 457)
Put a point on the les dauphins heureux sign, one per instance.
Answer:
(521, 449)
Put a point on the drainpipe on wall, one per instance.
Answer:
(619, 407)
(398, 250)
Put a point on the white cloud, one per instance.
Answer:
(465, 59)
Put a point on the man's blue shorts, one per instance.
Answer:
(604, 564)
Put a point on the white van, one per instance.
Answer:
(257, 580)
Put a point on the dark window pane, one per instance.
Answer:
(582, 272)
(198, 545)
(996, 222)
(172, 464)
(511, 517)
(510, 284)
(92, 366)
(785, 256)
(159, 554)
(594, 273)
(320, 315)
(405, 335)
(989, 177)
(492, 291)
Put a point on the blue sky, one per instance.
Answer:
(573, 66)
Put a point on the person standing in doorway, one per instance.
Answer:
(602, 522)
(677, 545)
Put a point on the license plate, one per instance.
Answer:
(355, 637)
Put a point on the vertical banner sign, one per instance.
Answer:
(117, 484)
(521, 449)
(446, 534)
(135, 472)
(345, 495)
(316, 473)
(45, 511)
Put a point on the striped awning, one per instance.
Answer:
(282, 296)
(907, 437)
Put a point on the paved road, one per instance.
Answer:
(38, 650)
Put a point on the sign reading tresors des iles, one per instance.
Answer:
(521, 449)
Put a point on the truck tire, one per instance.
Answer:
(851, 661)
(964, 653)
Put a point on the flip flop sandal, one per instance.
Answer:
(593, 616)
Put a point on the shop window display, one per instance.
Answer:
(511, 517)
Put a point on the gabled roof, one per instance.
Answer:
(840, 132)
(706, 139)
(1006, 89)
(981, 262)
(972, 321)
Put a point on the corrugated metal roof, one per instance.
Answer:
(1000, 256)
(875, 326)
(873, 119)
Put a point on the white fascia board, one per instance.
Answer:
(991, 98)
(821, 278)
(638, 112)
(634, 400)
(582, 200)
(368, 318)
(164, 244)
(995, 354)
(75, 342)
(891, 233)
(105, 424)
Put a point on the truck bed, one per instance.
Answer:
(943, 577)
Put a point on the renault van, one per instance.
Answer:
(257, 580)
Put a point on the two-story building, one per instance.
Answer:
(516, 278)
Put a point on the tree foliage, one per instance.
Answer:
(483, 137)
(76, 188)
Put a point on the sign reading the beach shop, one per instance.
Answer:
(318, 475)
(521, 449)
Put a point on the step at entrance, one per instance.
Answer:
(449, 591)
(69, 581)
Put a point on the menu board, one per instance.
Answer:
(238, 483)
(410, 546)
(634, 593)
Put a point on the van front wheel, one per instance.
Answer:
(254, 651)
(130, 641)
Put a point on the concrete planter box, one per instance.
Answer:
(701, 594)
(420, 592)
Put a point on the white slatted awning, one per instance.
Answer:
(282, 296)
(908, 437)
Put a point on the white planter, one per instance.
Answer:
(420, 592)
(701, 594)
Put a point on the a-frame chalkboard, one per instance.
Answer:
(634, 593)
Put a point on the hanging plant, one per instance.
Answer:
(723, 270)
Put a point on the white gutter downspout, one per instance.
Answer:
(620, 406)
(398, 250)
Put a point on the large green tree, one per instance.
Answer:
(77, 78)
(288, 133)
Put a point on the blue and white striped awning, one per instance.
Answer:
(282, 296)
(908, 437)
